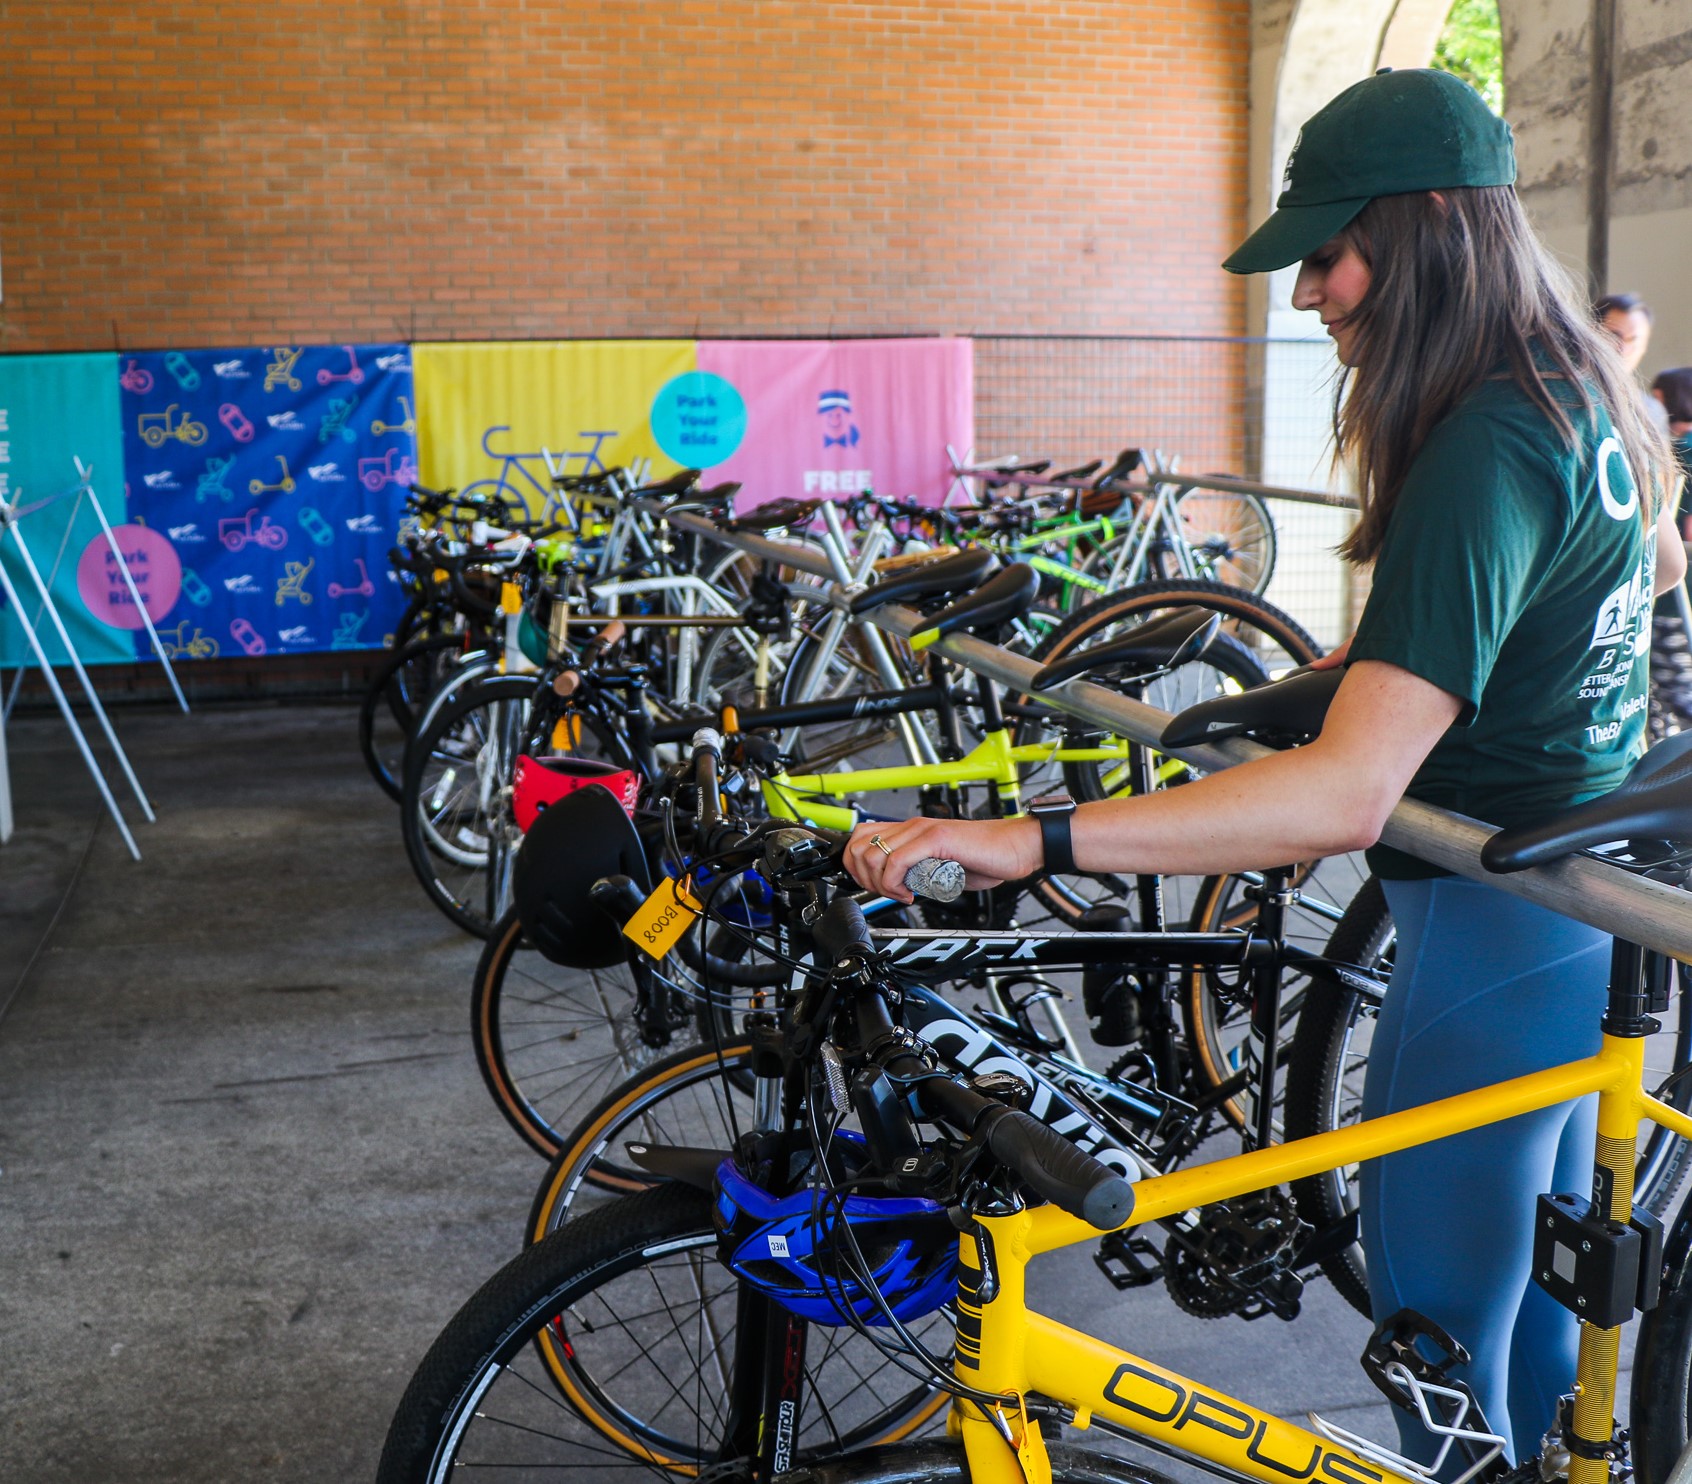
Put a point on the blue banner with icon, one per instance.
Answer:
(270, 484)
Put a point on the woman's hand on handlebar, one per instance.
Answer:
(991, 851)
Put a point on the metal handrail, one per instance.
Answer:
(1604, 896)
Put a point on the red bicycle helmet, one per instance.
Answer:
(541, 782)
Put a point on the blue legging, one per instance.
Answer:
(1485, 986)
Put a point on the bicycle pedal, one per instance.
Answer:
(1129, 1261)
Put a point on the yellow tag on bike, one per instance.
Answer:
(510, 598)
(924, 639)
(1031, 1448)
(663, 917)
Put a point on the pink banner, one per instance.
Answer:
(834, 417)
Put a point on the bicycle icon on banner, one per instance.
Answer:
(519, 484)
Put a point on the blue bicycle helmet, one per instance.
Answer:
(791, 1248)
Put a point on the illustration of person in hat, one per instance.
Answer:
(835, 409)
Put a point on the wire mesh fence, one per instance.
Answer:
(1258, 409)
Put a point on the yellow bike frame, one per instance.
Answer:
(1006, 1350)
(994, 760)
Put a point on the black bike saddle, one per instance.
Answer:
(775, 516)
(1284, 712)
(994, 603)
(1654, 804)
(953, 574)
(1152, 646)
(678, 483)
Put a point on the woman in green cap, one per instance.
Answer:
(1510, 489)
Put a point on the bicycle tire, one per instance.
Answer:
(1257, 641)
(1325, 1078)
(455, 813)
(551, 1040)
(1330, 1053)
(1216, 1014)
(682, 1100)
(944, 1463)
(1230, 539)
(596, 1379)
(1660, 1400)
(395, 699)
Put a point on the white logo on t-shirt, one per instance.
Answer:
(1616, 509)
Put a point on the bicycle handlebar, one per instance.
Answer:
(1045, 1161)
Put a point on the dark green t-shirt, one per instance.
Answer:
(1516, 573)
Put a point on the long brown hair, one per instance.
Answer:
(1458, 292)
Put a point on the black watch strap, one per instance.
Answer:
(1057, 851)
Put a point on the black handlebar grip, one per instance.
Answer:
(841, 932)
(1068, 1177)
(618, 896)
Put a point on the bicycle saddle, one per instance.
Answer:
(717, 498)
(1152, 646)
(997, 601)
(955, 574)
(678, 483)
(1654, 803)
(1282, 713)
(1081, 471)
(775, 515)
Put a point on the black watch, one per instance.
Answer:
(1051, 812)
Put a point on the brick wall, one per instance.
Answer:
(200, 173)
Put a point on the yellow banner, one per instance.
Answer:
(488, 411)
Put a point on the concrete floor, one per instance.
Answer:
(247, 1166)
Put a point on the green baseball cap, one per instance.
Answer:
(1399, 131)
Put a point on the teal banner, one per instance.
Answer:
(54, 410)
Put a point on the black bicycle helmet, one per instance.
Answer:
(582, 838)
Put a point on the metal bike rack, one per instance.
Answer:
(10, 516)
(1603, 896)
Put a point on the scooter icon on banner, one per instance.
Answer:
(355, 375)
(136, 379)
(236, 533)
(377, 472)
(408, 427)
(286, 487)
(292, 582)
(365, 588)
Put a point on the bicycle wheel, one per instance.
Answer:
(940, 1462)
(1330, 1054)
(1224, 537)
(696, 1098)
(551, 1041)
(1330, 1050)
(608, 1348)
(394, 701)
(1256, 642)
(460, 834)
(1215, 1008)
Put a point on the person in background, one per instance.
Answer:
(1627, 320)
(1673, 390)
(1671, 652)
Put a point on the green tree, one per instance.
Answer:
(1472, 47)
